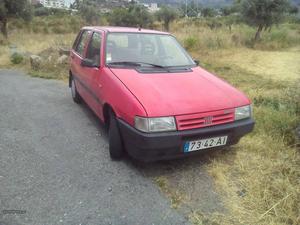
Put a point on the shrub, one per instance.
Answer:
(190, 43)
(59, 30)
(17, 23)
(45, 30)
(16, 58)
(42, 12)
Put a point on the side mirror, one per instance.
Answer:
(88, 63)
(197, 62)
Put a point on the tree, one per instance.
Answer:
(192, 9)
(228, 10)
(263, 13)
(133, 16)
(88, 9)
(167, 15)
(90, 14)
(293, 10)
(13, 8)
(208, 12)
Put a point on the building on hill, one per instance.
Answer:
(59, 4)
(34, 2)
(151, 7)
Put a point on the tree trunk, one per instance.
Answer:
(166, 25)
(4, 28)
(258, 32)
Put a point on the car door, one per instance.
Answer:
(78, 71)
(94, 74)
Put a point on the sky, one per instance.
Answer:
(69, 1)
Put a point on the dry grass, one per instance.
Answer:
(204, 38)
(259, 182)
(35, 43)
(278, 65)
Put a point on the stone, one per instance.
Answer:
(63, 59)
(35, 62)
(63, 51)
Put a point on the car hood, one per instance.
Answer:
(164, 94)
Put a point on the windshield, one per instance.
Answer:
(146, 49)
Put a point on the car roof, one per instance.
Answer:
(124, 29)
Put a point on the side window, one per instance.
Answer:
(93, 51)
(76, 40)
(81, 43)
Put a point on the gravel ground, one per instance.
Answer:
(55, 166)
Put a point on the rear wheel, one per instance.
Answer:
(116, 149)
(75, 95)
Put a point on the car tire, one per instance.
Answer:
(116, 149)
(75, 95)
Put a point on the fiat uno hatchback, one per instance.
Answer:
(155, 100)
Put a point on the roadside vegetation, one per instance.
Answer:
(258, 179)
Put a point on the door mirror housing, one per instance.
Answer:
(88, 63)
(197, 62)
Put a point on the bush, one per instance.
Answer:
(190, 43)
(42, 12)
(16, 58)
(17, 23)
(59, 30)
(133, 16)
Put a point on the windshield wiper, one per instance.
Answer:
(129, 63)
(153, 65)
(124, 63)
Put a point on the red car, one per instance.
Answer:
(154, 98)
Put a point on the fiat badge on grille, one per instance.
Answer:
(208, 120)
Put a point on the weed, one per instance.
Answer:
(190, 43)
(16, 58)
(175, 196)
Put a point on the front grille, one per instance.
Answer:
(199, 120)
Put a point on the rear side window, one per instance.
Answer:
(81, 42)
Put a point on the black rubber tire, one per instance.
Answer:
(116, 149)
(75, 95)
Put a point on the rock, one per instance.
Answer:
(63, 51)
(49, 59)
(63, 59)
(35, 62)
(47, 52)
(241, 193)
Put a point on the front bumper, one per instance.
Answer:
(168, 145)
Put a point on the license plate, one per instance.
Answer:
(196, 145)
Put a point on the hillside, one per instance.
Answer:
(212, 3)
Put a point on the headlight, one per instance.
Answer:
(242, 112)
(155, 124)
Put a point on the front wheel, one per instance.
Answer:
(116, 149)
